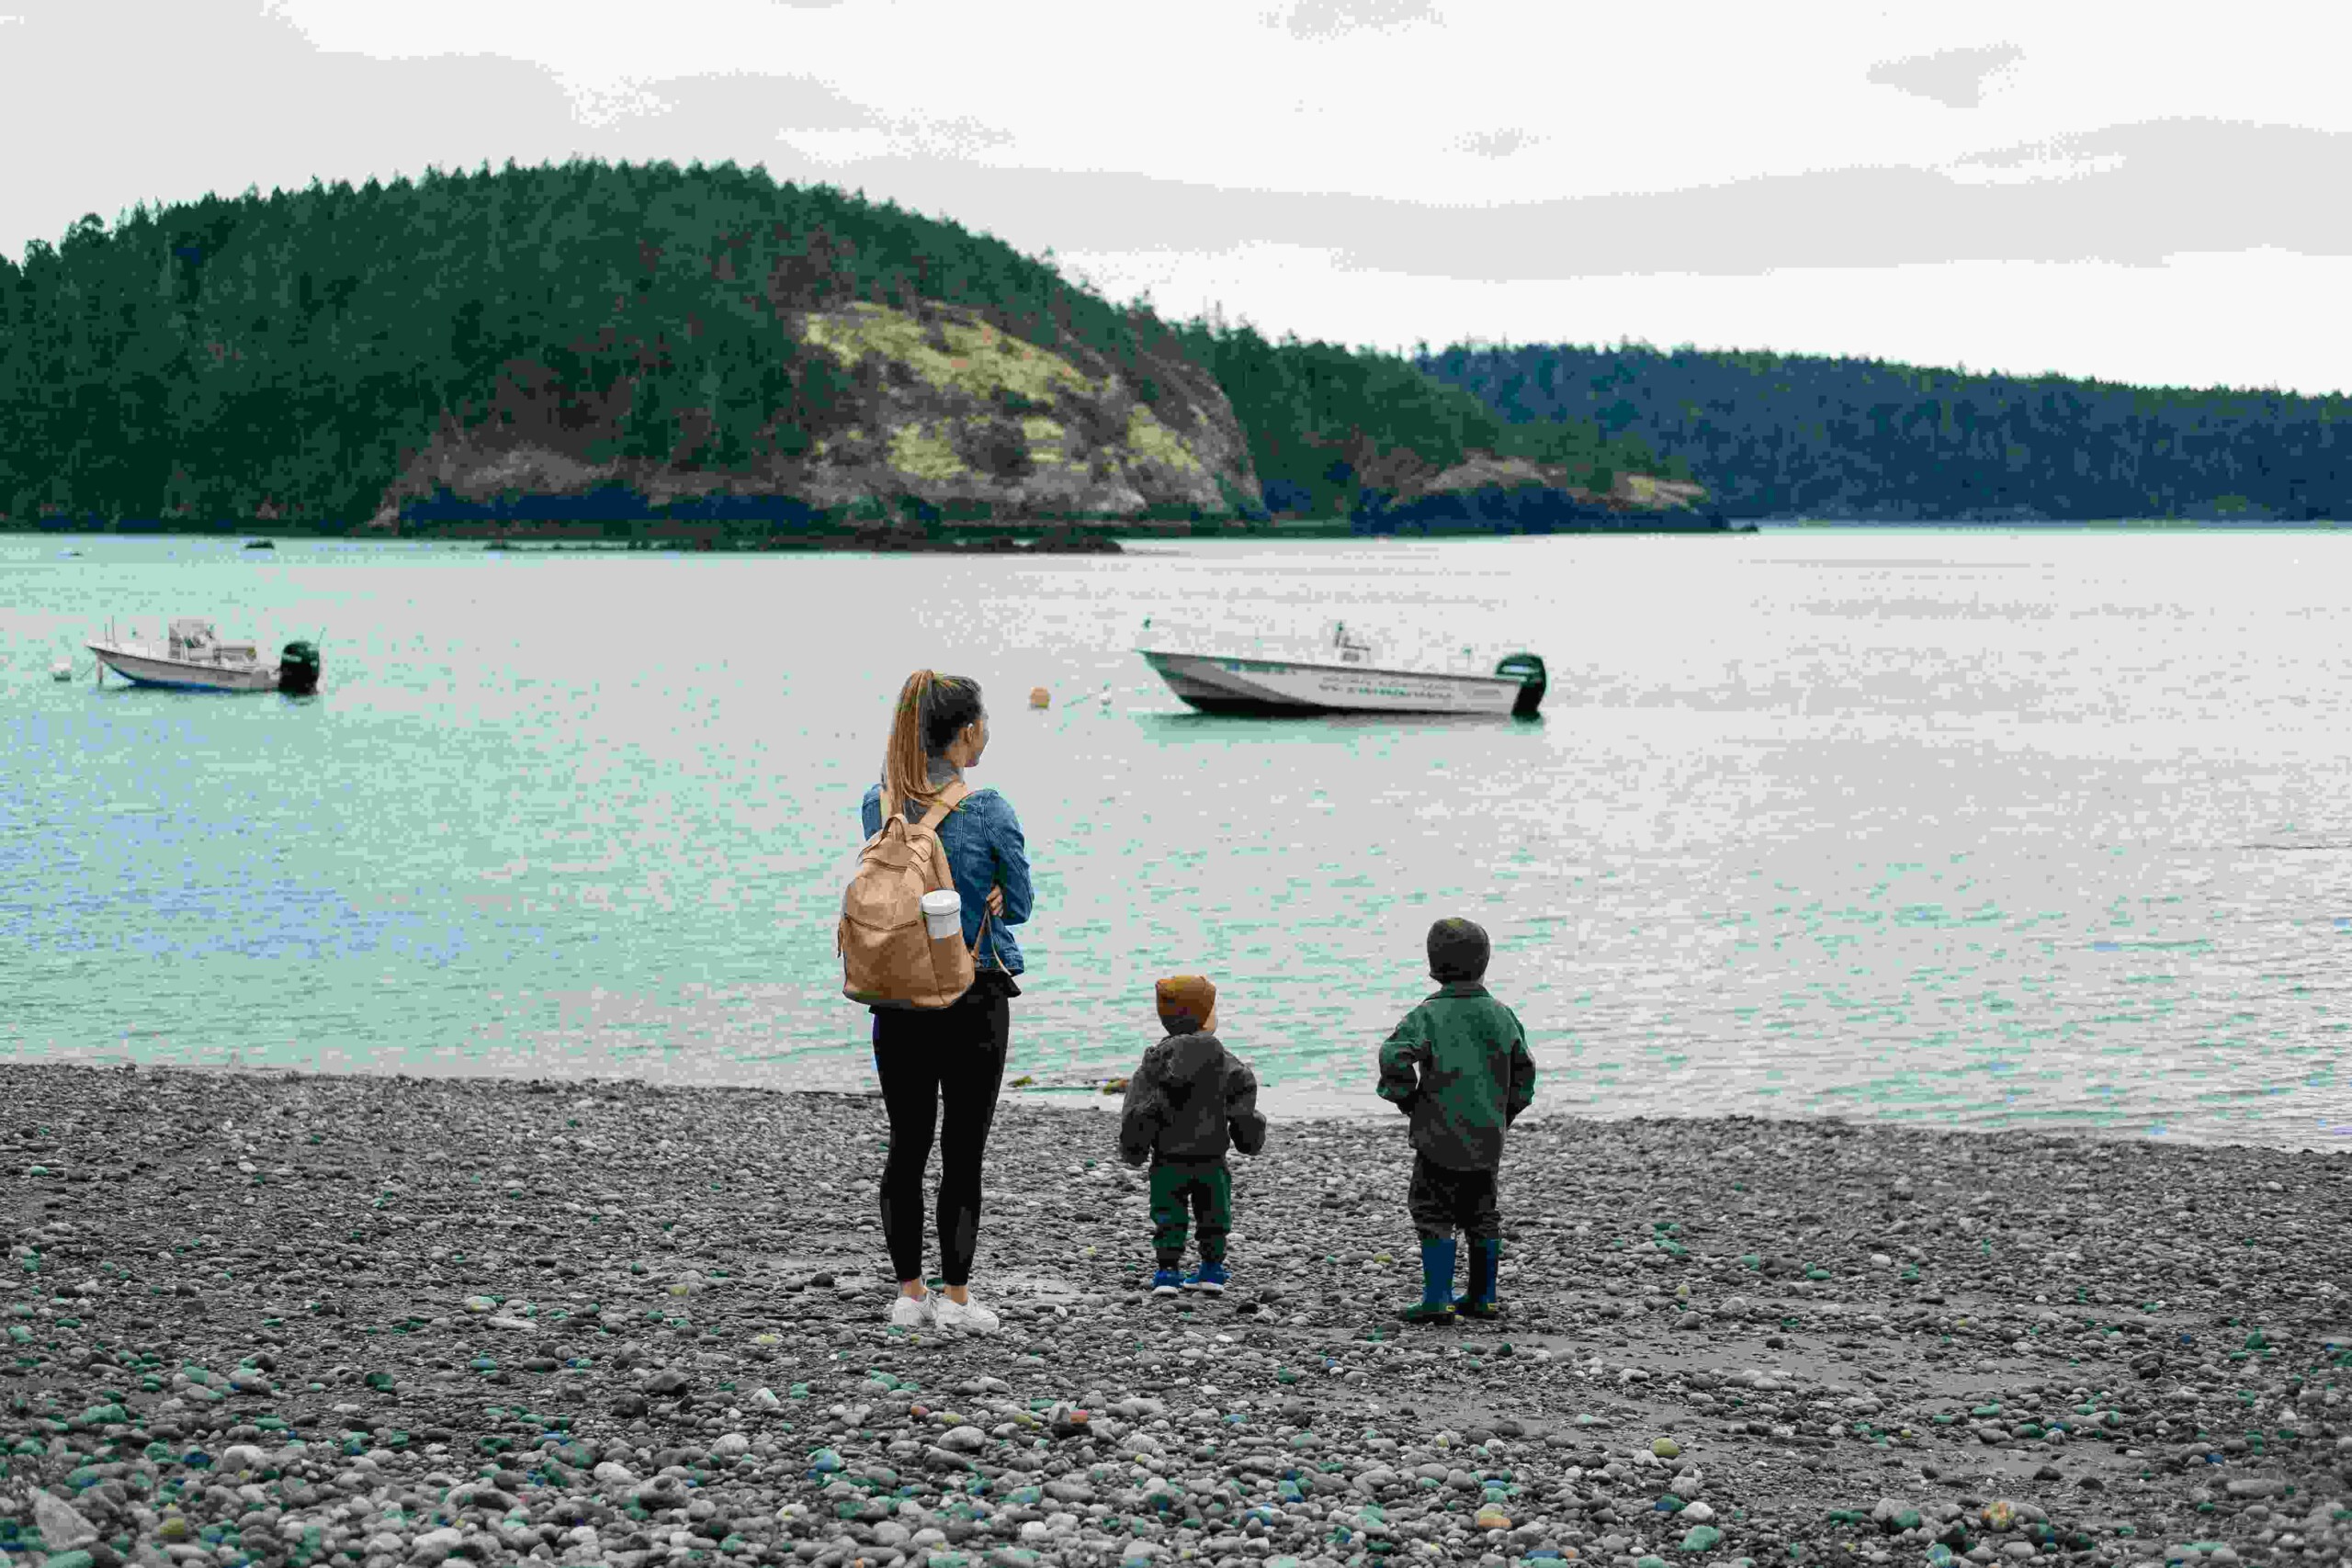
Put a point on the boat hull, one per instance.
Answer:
(180, 675)
(1276, 687)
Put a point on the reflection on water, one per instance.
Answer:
(1973, 828)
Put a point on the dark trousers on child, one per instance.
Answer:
(1202, 1192)
(952, 1055)
(1442, 1202)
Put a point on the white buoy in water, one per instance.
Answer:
(61, 670)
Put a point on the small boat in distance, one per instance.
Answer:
(260, 545)
(194, 659)
(1351, 680)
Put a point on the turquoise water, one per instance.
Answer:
(1969, 828)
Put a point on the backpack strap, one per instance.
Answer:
(946, 801)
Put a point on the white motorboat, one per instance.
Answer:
(193, 658)
(1352, 678)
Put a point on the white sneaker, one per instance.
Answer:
(969, 1318)
(913, 1311)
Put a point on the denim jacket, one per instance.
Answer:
(985, 850)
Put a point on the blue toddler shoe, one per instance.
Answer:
(1167, 1282)
(1209, 1277)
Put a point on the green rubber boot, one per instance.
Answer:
(1436, 1304)
(1485, 1263)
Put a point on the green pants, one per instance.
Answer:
(1206, 1191)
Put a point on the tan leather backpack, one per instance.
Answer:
(888, 957)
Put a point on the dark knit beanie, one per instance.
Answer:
(1185, 1002)
(1458, 950)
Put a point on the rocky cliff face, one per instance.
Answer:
(951, 412)
(1513, 492)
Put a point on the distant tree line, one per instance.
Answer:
(1785, 436)
(285, 355)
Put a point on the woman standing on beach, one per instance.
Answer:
(953, 1054)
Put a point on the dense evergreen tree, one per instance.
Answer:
(1326, 423)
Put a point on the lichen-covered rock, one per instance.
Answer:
(1483, 477)
(946, 408)
(1628, 493)
(1485, 488)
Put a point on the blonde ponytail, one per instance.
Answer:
(932, 710)
(905, 772)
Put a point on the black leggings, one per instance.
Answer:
(956, 1054)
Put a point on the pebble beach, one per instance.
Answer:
(372, 1320)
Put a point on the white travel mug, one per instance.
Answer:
(942, 913)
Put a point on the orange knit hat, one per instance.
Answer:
(1185, 1002)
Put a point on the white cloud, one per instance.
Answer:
(1336, 18)
(837, 149)
(1404, 141)
(2031, 171)
(1243, 279)
(588, 39)
(1392, 98)
(2155, 326)
(1956, 78)
(604, 104)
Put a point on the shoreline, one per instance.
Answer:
(1015, 537)
(688, 538)
(379, 1320)
(1292, 1102)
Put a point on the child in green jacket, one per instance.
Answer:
(1458, 1066)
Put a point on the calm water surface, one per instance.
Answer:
(1969, 828)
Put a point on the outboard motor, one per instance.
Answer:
(297, 668)
(1530, 671)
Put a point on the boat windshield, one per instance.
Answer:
(1352, 650)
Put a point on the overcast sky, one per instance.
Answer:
(2102, 190)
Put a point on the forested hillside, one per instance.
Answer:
(1785, 436)
(1330, 427)
(289, 356)
(281, 353)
